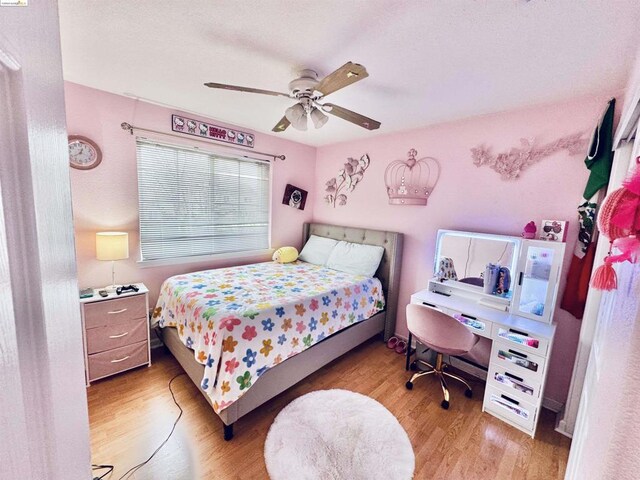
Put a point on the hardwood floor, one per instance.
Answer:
(132, 413)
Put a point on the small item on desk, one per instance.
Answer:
(86, 293)
(128, 288)
(103, 293)
(529, 230)
(491, 274)
(504, 281)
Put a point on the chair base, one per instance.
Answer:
(438, 371)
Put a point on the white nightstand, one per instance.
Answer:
(115, 331)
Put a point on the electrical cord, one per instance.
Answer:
(140, 465)
(102, 467)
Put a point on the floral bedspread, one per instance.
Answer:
(241, 321)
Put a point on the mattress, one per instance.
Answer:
(242, 321)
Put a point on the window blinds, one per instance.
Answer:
(196, 203)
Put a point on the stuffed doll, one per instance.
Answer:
(285, 255)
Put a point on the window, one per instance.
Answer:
(195, 203)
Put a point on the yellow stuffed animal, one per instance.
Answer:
(285, 255)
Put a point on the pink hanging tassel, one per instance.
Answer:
(604, 278)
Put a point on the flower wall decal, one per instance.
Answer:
(510, 164)
(346, 180)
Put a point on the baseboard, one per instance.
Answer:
(553, 405)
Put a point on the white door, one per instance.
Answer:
(43, 409)
(537, 279)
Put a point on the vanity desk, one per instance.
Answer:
(516, 324)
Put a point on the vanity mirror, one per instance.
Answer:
(508, 273)
(475, 259)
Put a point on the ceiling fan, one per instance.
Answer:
(309, 92)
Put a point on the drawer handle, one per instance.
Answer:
(518, 332)
(117, 311)
(119, 336)
(468, 316)
(429, 304)
(120, 359)
(509, 399)
(517, 354)
(510, 375)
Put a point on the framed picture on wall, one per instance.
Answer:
(294, 197)
(554, 230)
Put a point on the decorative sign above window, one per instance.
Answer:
(510, 164)
(411, 181)
(212, 132)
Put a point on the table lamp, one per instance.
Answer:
(112, 246)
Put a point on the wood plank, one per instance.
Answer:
(131, 413)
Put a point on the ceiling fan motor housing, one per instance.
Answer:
(305, 85)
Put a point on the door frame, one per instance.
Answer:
(43, 412)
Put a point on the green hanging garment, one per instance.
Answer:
(599, 161)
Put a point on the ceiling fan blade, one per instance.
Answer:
(282, 125)
(224, 86)
(346, 75)
(353, 117)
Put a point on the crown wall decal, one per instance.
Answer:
(411, 181)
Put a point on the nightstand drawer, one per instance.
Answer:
(117, 360)
(117, 335)
(119, 310)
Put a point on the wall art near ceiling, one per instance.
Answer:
(510, 164)
(411, 181)
(346, 181)
(196, 128)
(294, 197)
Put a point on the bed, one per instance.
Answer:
(283, 363)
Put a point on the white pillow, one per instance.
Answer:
(317, 250)
(355, 258)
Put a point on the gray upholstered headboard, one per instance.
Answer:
(389, 269)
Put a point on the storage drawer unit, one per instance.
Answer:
(517, 367)
(115, 332)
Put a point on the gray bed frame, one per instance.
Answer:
(279, 378)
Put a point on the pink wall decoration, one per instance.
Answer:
(411, 181)
(468, 198)
(510, 164)
(346, 181)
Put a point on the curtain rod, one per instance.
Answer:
(131, 128)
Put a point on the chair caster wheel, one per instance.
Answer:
(445, 404)
(413, 367)
(409, 385)
(468, 393)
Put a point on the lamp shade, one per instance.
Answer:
(318, 118)
(112, 245)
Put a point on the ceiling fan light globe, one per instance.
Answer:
(294, 113)
(300, 123)
(318, 118)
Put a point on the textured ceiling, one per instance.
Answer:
(428, 61)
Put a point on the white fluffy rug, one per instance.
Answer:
(337, 434)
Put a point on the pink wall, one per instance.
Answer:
(471, 198)
(106, 198)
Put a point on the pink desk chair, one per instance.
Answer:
(443, 334)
